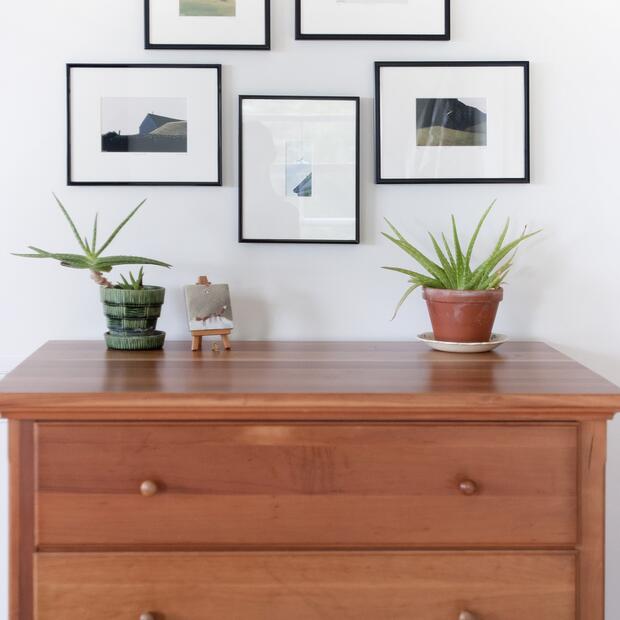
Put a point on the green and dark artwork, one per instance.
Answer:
(208, 8)
(451, 122)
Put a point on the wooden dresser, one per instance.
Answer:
(306, 481)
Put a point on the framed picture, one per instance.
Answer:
(299, 169)
(373, 19)
(207, 24)
(452, 122)
(144, 125)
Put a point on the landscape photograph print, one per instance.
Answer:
(451, 122)
(143, 125)
(208, 8)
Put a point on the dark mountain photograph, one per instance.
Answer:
(129, 127)
(451, 122)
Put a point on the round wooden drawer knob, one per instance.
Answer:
(147, 616)
(468, 487)
(467, 615)
(148, 488)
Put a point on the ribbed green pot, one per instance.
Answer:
(132, 317)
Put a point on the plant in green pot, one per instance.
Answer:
(462, 300)
(130, 307)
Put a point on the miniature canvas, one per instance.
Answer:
(208, 307)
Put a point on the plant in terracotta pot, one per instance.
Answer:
(131, 308)
(462, 300)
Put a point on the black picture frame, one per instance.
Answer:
(72, 182)
(445, 36)
(357, 100)
(199, 46)
(421, 181)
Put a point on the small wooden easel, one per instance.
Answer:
(197, 335)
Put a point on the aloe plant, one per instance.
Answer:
(135, 283)
(92, 256)
(454, 269)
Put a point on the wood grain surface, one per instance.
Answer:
(306, 485)
(21, 519)
(307, 586)
(271, 380)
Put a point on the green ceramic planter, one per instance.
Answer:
(132, 317)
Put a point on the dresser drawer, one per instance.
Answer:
(306, 586)
(305, 485)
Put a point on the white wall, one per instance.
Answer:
(565, 290)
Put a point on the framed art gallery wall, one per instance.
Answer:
(326, 292)
(218, 24)
(299, 169)
(452, 122)
(373, 20)
(144, 124)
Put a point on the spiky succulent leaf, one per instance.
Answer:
(92, 259)
(433, 268)
(495, 258)
(116, 261)
(458, 253)
(455, 270)
(404, 298)
(119, 228)
(474, 238)
(94, 239)
(425, 280)
(72, 225)
(445, 263)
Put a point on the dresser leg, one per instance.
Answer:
(21, 519)
(591, 578)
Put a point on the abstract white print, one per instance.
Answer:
(298, 170)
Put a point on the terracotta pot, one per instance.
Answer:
(462, 316)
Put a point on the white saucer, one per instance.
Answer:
(462, 347)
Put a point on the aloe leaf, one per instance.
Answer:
(407, 272)
(460, 259)
(474, 238)
(497, 257)
(421, 278)
(71, 224)
(115, 261)
(495, 279)
(502, 237)
(94, 242)
(448, 251)
(28, 255)
(39, 253)
(498, 277)
(445, 263)
(403, 299)
(119, 228)
(433, 268)
(58, 256)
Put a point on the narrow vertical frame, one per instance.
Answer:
(356, 240)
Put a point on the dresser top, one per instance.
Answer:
(341, 375)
